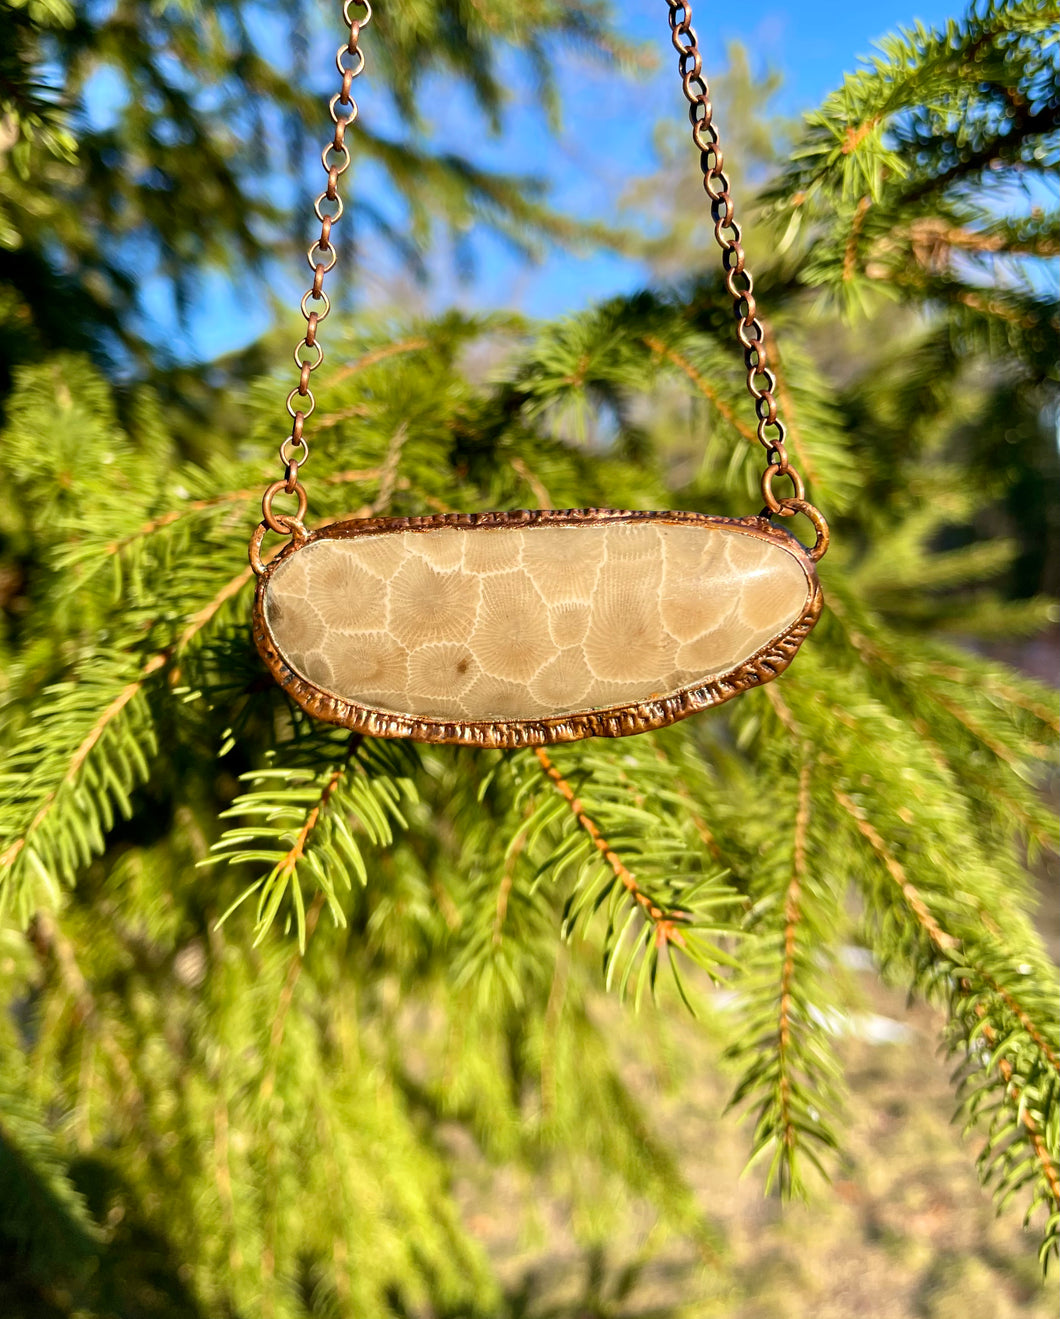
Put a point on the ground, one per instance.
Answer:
(903, 1232)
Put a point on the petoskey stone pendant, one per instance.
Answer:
(520, 629)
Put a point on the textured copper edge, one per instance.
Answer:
(616, 721)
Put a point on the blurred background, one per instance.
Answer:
(515, 165)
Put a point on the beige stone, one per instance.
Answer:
(479, 624)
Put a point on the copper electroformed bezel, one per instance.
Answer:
(617, 721)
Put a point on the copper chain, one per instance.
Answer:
(315, 305)
(308, 355)
(761, 382)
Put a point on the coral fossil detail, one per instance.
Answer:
(475, 624)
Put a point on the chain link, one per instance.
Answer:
(315, 305)
(761, 382)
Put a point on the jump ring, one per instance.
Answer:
(278, 522)
(342, 151)
(357, 68)
(305, 411)
(339, 208)
(715, 193)
(286, 456)
(320, 315)
(765, 405)
(731, 273)
(363, 21)
(701, 131)
(774, 504)
(347, 118)
(789, 507)
(317, 250)
(298, 358)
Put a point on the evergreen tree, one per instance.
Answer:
(123, 124)
(252, 966)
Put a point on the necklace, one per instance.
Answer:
(504, 629)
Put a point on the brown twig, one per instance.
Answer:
(176, 514)
(223, 1177)
(1007, 693)
(710, 394)
(945, 942)
(664, 922)
(857, 133)
(268, 1085)
(331, 419)
(1020, 1013)
(577, 377)
(283, 1006)
(783, 712)
(706, 834)
(1041, 1150)
(537, 486)
(850, 255)
(1014, 807)
(933, 233)
(995, 307)
(792, 916)
(198, 621)
(285, 868)
(389, 470)
(297, 851)
(504, 889)
(80, 755)
(999, 749)
(380, 355)
(217, 501)
(553, 1011)
(872, 653)
(794, 436)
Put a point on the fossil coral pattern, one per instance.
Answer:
(515, 624)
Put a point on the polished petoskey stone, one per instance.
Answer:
(488, 624)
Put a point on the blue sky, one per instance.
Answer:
(606, 141)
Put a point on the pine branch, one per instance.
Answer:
(980, 1004)
(699, 382)
(665, 923)
(307, 813)
(792, 902)
(68, 773)
(1011, 746)
(294, 970)
(675, 914)
(789, 1072)
(539, 490)
(218, 503)
(1005, 691)
(412, 344)
(944, 942)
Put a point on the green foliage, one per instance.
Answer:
(900, 174)
(303, 816)
(262, 978)
(127, 123)
(451, 875)
(45, 1221)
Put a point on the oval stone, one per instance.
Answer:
(539, 627)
